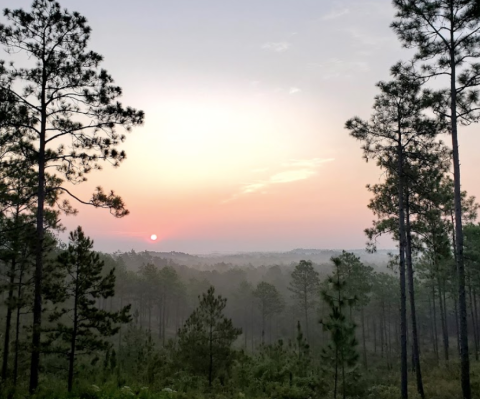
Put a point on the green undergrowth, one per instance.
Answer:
(440, 382)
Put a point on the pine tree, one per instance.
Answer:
(270, 303)
(304, 286)
(446, 35)
(394, 136)
(81, 327)
(65, 98)
(359, 285)
(206, 338)
(340, 352)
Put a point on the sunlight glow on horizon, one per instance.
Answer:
(244, 145)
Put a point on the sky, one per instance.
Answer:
(243, 146)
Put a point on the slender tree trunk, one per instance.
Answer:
(462, 301)
(476, 316)
(435, 333)
(364, 339)
(149, 315)
(17, 323)
(164, 318)
(306, 318)
(38, 276)
(8, 321)
(73, 341)
(210, 360)
(474, 326)
(443, 317)
(388, 340)
(120, 329)
(382, 331)
(403, 297)
(263, 324)
(413, 313)
(457, 325)
(336, 374)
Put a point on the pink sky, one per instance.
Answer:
(244, 146)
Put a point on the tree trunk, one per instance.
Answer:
(457, 325)
(336, 375)
(364, 339)
(210, 362)
(462, 302)
(443, 317)
(8, 322)
(403, 297)
(17, 324)
(38, 277)
(476, 316)
(164, 318)
(435, 333)
(474, 324)
(306, 318)
(413, 314)
(382, 331)
(73, 341)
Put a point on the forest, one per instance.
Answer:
(79, 323)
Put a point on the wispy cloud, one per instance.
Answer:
(293, 170)
(368, 39)
(277, 47)
(334, 14)
(291, 176)
(294, 90)
(336, 68)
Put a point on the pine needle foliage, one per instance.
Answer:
(340, 354)
(207, 336)
(81, 326)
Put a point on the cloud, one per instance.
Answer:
(251, 188)
(336, 68)
(366, 39)
(334, 14)
(294, 90)
(291, 176)
(294, 170)
(277, 47)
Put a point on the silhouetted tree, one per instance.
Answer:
(270, 302)
(206, 338)
(446, 34)
(65, 98)
(304, 286)
(341, 350)
(81, 325)
(393, 136)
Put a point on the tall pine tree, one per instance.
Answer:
(71, 114)
(446, 35)
(206, 338)
(340, 353)
(81, 326)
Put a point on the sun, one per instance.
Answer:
(153, 237)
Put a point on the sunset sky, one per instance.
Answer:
(244, 146)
